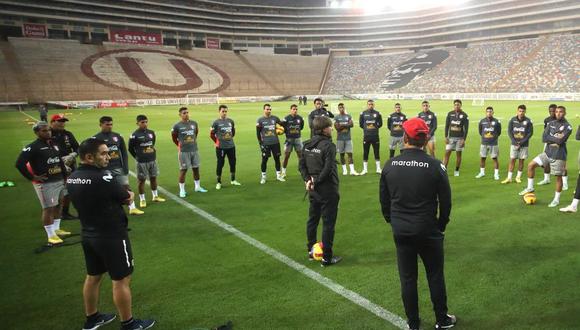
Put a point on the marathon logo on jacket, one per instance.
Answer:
(78, 181)
(409, 163)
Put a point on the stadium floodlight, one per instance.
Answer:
(374, 6)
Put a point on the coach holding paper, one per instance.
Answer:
(413, 187)
(99, 198)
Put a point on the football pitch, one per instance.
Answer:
(239, 253)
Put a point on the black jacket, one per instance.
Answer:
(98, 199)
(319, 162)
(414, 188)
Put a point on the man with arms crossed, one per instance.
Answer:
(222, 134)
(489, 130)
(40, 163)
(184, 135)
(395, 126)
(520, 130)
(142, 148)
(555, 154)
(319, 111)
(119, 163)
(293, 125)
(431, 120)
(456, 128)
(343, 123)
(413, 187)
(98, 198)
(371, 121)
(552, 116)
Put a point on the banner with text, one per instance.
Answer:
(136, 37)
(34, 30)
(212, 43)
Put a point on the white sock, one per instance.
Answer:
(283, 169)
(510, 174)
(575, 203)
(132, 205)
(56, 224)
(482, 170)
(264, 175)
(365, 166)
(496, 172)
(557, 196)
(197, 184)
(546, 177)
(344, 168)
(378, 164)
(530, 183)
(351, 167)
(49, 231)
(155, 193)
(182, 187)
(141, 197)
(565, 180)
(277, 173)
(519, 175)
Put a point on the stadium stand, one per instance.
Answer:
(473, 69)
(360, 74)
(526, 65)
(554, 67)
(53, 70)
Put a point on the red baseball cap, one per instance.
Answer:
(415, 126)
(58, 117)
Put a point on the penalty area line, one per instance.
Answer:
(352, 296)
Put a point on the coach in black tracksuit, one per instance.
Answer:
(99, 199)
(413, 188)
(318, 168)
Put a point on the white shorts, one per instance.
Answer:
(396, 141)
(454, 144)
(188, 159)
(49, 193)
(293, 144)
(519, 153)
(343, 146)
(557, 166)
(147, 170)
(485, 150)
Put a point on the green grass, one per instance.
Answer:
(508, 266)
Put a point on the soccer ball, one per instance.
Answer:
(317, 251)
(530, 198)
(279, 129)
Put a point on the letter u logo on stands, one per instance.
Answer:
(154, 72)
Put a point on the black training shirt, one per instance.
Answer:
(415, 194)
(98, 199)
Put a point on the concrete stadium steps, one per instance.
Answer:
(51, 70)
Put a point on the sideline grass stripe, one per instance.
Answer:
(325, 281)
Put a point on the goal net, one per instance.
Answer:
(478, 102)
(202, 99)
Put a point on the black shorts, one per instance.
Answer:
(112, 255)
(273, 149)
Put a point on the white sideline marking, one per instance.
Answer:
(325, 281)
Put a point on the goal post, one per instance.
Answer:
(193, 99)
